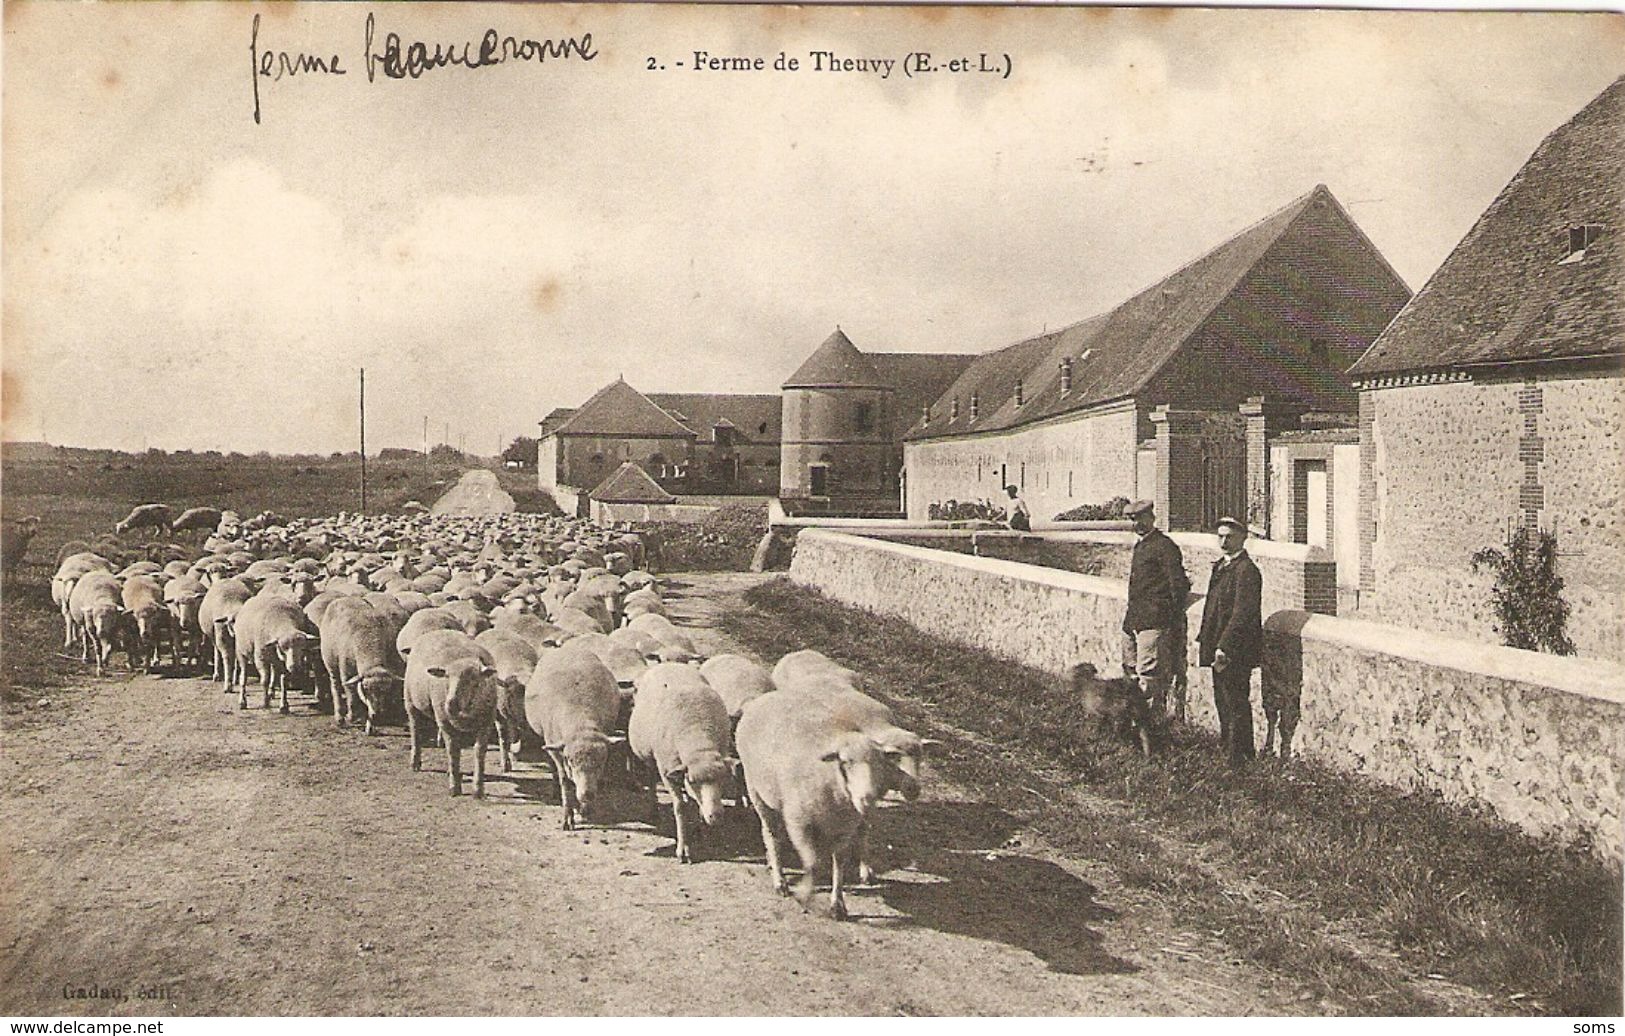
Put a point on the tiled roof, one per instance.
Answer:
(1115, 354)
(1505, 294)
(554, 418)
(618, 409)
(836, 364)
(918, 378)
(757, 418)
(630, 484)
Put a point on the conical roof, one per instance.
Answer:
(836, 364)
(630, 484)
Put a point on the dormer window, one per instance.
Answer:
(1580, 238)
(975, 404)
(953, 414)
(1066, 375)
(1019, 398)
(925, 416)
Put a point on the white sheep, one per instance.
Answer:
(679, 729)
(452, 681)
(572, 703)
(515, 659)
(359, 659)
(274, 632)
(812, 780)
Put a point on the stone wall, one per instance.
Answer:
(1083, 458)
(1540, 740)
(1455, 466)
(1295, 575)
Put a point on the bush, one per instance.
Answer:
(970, 510)
(1108, 511)
(1528, 593)
(724, 541)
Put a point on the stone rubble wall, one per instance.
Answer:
(1538, 739)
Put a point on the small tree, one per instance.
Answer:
(522, 450)
(1528, 593)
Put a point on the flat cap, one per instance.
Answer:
(1137, 507)
(1229, 523)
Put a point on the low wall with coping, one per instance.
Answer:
(1537, 738)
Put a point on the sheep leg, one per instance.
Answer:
(454, 765)
(860, 854)
(771, 822)
(837, 898)
(805, 839)
(505, 739)
(685, 852)
(481, 743)
(344, 697)
(650, 780)
(267, 675)
(417, 738)
(555, 759)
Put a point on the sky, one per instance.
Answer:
(491, 243)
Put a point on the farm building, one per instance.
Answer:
(1179, 393)
(845, 412)
(1495, 400)
(686, 442)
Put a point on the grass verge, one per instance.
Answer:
(1302, 870)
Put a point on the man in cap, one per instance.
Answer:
(1154, 624)
(1231, 640)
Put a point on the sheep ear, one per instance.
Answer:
(554, 748)
(928, 743)
(354, 681)
(833, 755)
(486, 670)
(435, 670)
(616, 739)
(678, 775)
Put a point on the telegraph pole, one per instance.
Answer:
(363, 440)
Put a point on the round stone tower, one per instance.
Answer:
(836, 443)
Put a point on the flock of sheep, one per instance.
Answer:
(508, 628)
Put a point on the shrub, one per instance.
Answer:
(1107, 511)
(1528, 593)
(724, 541)
(966, 511)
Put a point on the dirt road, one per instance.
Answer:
(156, 840)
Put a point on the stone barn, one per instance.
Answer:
(1150, 399)
(1495, 400)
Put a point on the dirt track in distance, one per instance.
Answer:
(156, 838)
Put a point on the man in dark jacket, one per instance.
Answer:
(1232, 637)
(1154, 624)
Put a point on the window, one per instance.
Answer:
(925, 416)
(953, 414)
(1019, 399)
(865, 417)
(1580, 238)
(975, 404)
(1066, 374)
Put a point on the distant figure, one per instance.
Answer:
(1154, 622)
(1020, 516)
(1232, 638)
(14, 540)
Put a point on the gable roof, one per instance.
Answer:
(757, 418)
(618, 409)
(630, 484)
(918, 379)
(554, 418)
(1504, 294)
(1114, 354)
(836, 364)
